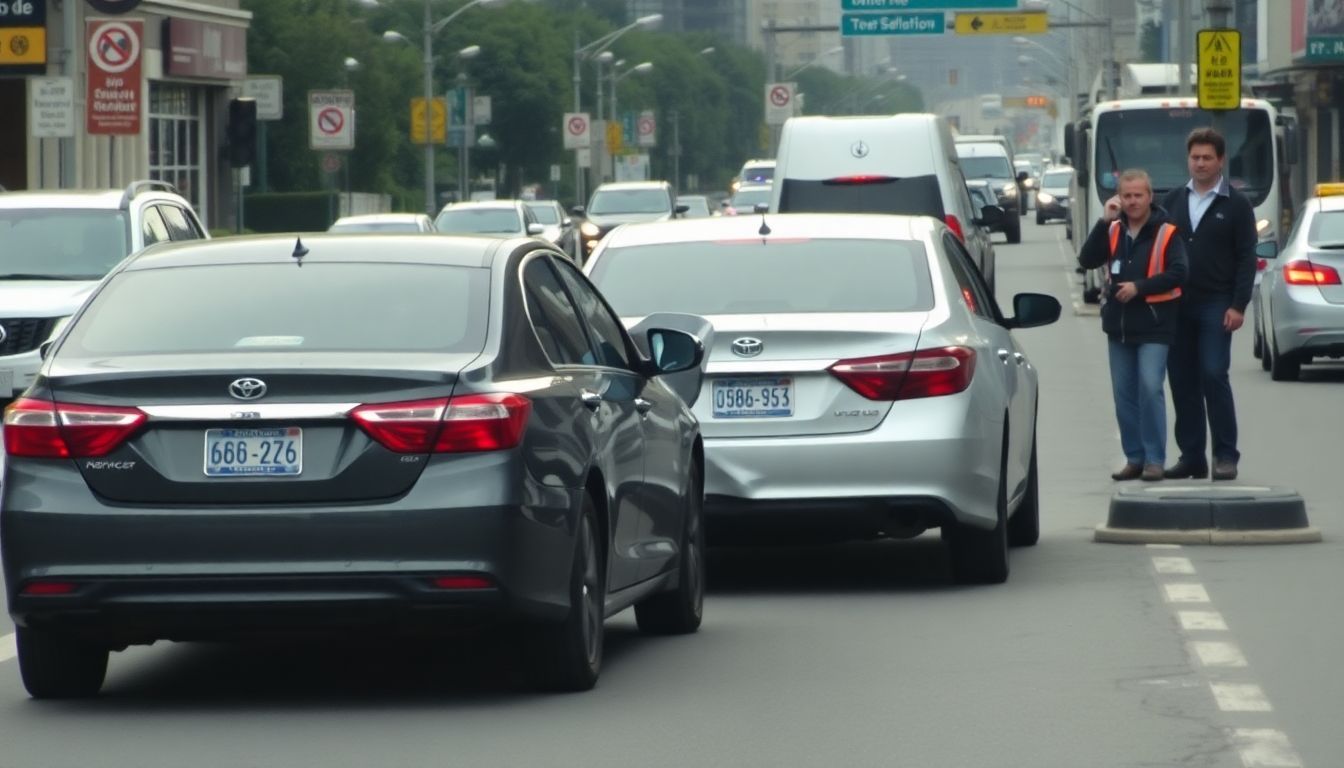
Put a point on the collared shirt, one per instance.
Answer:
(1199, 203)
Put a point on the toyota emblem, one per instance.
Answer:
(247, 389)
(747, 347)
(859, 149)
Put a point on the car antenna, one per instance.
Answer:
(300, 250)
(765, 228)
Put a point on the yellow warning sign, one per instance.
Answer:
(23, 45)
(1219, 68)
(438, 120)
(1029, 23)
(615, 136)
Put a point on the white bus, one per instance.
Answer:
(1150, 132)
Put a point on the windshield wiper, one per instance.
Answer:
(36, 276)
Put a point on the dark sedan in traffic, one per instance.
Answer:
(261, 435)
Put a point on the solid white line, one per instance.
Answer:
(1185, 593)
(1240, 697)
(1264, 748)
(1202, 621)
(1213, 653)
(1171, 565)
(1163, 546)
(8, 647)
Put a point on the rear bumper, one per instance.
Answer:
(145, 573)
(1307, 324)
(1052, 210)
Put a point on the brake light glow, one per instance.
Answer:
(464, 424)
(1260, 264)
(48, 588)
(910, 375)
(860, 179)
(46, 430)
(1303, 272)
(461, 582)
(954, 224)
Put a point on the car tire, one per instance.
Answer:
(1040, 218)
(1014, 231)
(1283, 367)
(1024, 527)
(1257, 343)
(57, 666)
(680, 611)
(981, 557)
(1264, 342)
(568, 654)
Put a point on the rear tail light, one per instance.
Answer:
(46, 430)
(954, 224)
(859, 179)
(462, 582)
(1303, 272)
(1260, 264)
(48, 588)
(910, 375)
(464, 424)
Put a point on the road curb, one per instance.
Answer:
(1207, 513)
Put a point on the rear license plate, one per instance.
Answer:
(753, 398)
(252, 452)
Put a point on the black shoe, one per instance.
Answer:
(1152, 472)
(1225, 470)
(1183, 469)
(1127, 472)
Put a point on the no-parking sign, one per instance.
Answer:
(331, 120)
(115, 71)
(576, 130)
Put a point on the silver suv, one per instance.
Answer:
(58, 245)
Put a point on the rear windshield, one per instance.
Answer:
(913, 195)
(758, 174)
(376, 226)
(1061, 179)
(609, 201)
(479, 220)
(747, 198)
(545, 214)
(58, 244)
(748, 276)
(986, 168)
(1327, 230)
(278, 307)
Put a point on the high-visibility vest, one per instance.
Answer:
(1157, 258)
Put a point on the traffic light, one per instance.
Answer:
(241, 132)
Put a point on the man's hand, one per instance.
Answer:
(1125, 291)
(1112, 211)
(1232, 320)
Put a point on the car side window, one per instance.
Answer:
(179, 226)
(606, 329)
(152, 227)
(971, 286)
(553, 316)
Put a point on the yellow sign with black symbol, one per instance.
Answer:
(1017, 23)
(23, 46)
(615, 136)
(1219, 68)
(438, 120)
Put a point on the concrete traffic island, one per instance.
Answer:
(1195, 512)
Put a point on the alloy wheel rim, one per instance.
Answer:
(592, 609)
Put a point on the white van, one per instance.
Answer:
(904, 164)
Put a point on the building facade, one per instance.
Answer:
(162, 117)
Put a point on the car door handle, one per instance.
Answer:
(642, 405)
(1004, 355)
(1020, 358)
(590, 399)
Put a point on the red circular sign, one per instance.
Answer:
(114, 47)
(330, 121)
(779, 96)
(578, 126)
(646, 126)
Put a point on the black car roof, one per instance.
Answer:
(446, 250)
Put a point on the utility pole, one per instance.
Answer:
(1183, 36)
(675, 150)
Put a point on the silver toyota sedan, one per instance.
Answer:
(861, 381)
(1299, 304)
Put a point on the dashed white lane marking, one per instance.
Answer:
(8, 647)
(1163, 546)
(1202, 621)
(1216, 653)
(1240, 697)
(1173, 565)
(1185, 593)
(1264, 748)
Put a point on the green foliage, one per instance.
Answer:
(289, 211)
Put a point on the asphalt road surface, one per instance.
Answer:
(1091, 656)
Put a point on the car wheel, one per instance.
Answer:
(56, 666)
(1024, 527)
(679, 612)
(568, 654)
(1283, 367)
(1014, 231)
(1040, 219)
(981, 557)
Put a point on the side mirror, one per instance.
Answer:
(566, 222)
(578, 210)
(680, 209)
(673, 347)
(1022, 176)
(535, 229)
(761, 208)
(1266, 249)
(1031, 310)
(674, 351)
(991, 216)
(723, 203)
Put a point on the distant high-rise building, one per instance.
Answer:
(725, 18)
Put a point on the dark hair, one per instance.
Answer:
(1206, 136)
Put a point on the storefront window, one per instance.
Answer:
(175, 139)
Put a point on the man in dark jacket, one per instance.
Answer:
(1145, 265)
(1217, 224)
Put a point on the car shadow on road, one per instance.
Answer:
(911, 565)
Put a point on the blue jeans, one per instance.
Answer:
(1137, 374)
(1198, 364)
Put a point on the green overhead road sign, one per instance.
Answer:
(927, 5)
(852, 24)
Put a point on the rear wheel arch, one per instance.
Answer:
(596, 488)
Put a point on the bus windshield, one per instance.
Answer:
(1154, 140)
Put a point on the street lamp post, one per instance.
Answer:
(814, 60)
(351, 64)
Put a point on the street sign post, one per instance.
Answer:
(268, 91)
(331, 119)
(115, 68)
(779, 102)
(51, 107)
(647, 128)
(1028, 23)
(575, 126)
(23, 37)
(856, 24)
(1219, 68)
(438, 120)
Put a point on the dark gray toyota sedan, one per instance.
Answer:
(260, 435)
